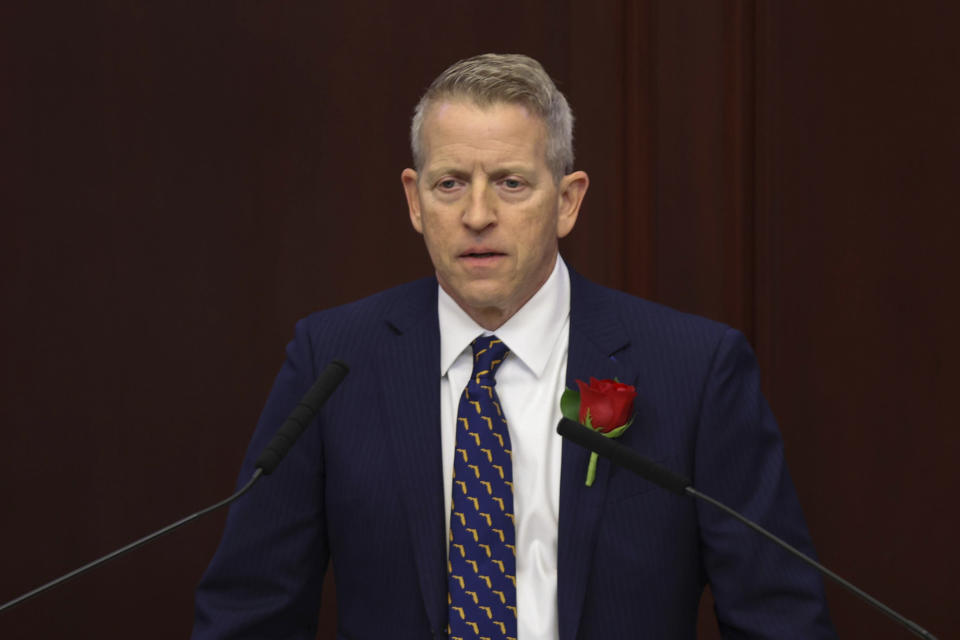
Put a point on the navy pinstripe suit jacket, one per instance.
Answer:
(364, 487)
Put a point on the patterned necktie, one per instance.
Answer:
(482, 558)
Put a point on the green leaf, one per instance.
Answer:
(570, 405)
(616, 433)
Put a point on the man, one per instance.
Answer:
(392, 485)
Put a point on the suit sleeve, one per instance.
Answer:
(266, 576)
(760, 591)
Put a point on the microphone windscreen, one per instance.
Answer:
(300, 417)
(622, 456)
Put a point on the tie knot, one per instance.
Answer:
(488, 353)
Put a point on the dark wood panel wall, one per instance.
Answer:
(183, 181)
(863, 308)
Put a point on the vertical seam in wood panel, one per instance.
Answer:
(765, 197)
(638, 215)
(738, 172)
(747, 188)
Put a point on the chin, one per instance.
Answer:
(481, 298)
(484, 302)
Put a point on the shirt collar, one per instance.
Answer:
(530, 333)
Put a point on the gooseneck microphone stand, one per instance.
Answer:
(288, 433)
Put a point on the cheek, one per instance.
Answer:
(439, 220)
(434, 248)
(537, 235)
(438, 241)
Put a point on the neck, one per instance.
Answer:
(490, 318)
(493, 317)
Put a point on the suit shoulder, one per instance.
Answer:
(372, 312)
(651, 314)
(354, 332)
(654, 329)
(641, 314)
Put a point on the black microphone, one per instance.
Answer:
(647, 469)
(623, 456)
(301, 416)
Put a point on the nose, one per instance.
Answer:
(480, 210)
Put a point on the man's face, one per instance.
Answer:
(488, 207)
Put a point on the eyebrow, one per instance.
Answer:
(498, 172)
(433, 174)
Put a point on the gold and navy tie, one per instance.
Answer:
(482, 557)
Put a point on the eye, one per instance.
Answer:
(512, 184)
(448, 184)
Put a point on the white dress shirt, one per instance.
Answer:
(529, 383)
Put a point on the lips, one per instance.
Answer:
(481, 252)
(481, 259)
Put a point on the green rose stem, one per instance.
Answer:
(592, 469)
(613, 433)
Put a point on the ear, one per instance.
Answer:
(572, 189)
(409, 179)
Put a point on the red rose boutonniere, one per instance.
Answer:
(606, 406)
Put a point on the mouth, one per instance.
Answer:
(481, 258)
(480, 251)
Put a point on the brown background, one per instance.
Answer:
(182, 181)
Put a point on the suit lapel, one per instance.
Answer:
(410, 381)
(596, 336)
(411, 384)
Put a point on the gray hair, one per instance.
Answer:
(492, 78)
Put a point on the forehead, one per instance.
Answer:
(454, 128)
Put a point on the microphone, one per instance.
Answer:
(649, 470)
(301, 416)
(623, 456)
